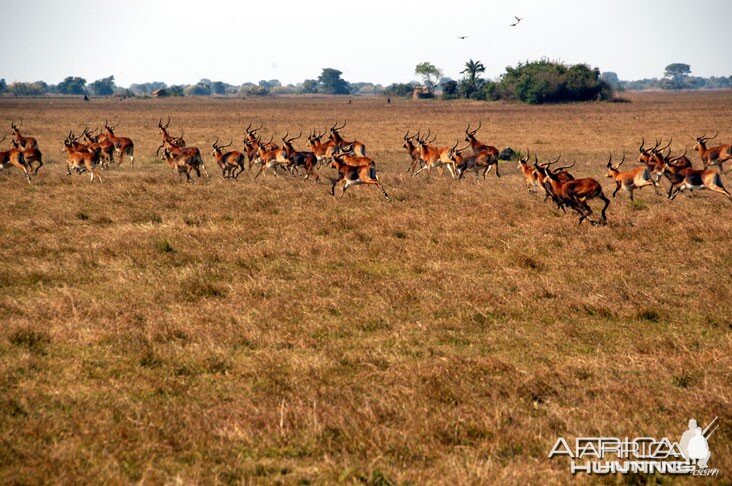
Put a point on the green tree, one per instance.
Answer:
(3, 86)
(72, 85)
(449, 90)
(309, 86)
(677, 70)
(472, 84)
(176, 90)
(102, 87)
(430, 74)
(331, 82)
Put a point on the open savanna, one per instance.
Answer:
(263, 331)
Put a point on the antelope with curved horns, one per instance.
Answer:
(354, 170)
(435, 157)
(460, 162)
(307, 160)
(576, 194)
(31, 155)
(644, 154)
(23, 142)
(106, 147)
(694, 179)
(163, 129)
(185, 162)
(229, 162)
(323, 150)
(81, 160)
(413, 151)
(335, 135)
(530, 175)
(561, 173)
(252, 132)
(631, 180)
(122, 145)
(14, 158)
(657, 161)
(476, 145)
(714, 155)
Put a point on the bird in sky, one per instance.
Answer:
(518, 21)
(462, 37)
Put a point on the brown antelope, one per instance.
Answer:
(714, 155)
(304, 159)
(413, 151)
(484, 156)
(163, 129)
(576, 194)
(531, 176)
(435, 157)
(14, 158)
(561, 173)
(252, 132)
(106, 147)
(631, 180)
(24, 142)
(30, 155)
(354, 170)
(694, 179)
(192, 154)
(644, 154)
(81, 160)
(185, 161)
(323, 150)
(658, 160)
(335, 135)
(122, 145)
(229, 161)
(270, 158)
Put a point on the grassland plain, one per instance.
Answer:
(263, 331)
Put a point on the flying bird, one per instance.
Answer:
(462, 37)
(518, 21)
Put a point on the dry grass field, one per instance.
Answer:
(263, 331)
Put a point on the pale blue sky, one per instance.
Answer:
(379, 41)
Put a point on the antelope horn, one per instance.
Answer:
(622, 160)
(214, 144)
(286, 134)
(463, 148)
(118, 122)
(21, 123)
(341, 127)
(480, 124)
(405, 136)
(160, 123)
(229, 144)
(610, 161)
(643, 142)
(667, 145)
(455, 146)
(433, 139)
(271, 137)
(552, 163)
(557, 169)
(702, 136)
(467, 130)
(708, 138)
(167, 124)
(658, 142)
(12, 125)
(298, 136)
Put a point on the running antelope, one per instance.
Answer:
(561, 173)
(229, 162)
(335, 135)
(435, 157)
(576, 194)
(714, 155)
(81, 160)
(530, 174)
(631, 180)
(24, 142)
(14, 158)
(163, 129)
(185, 161)
(644, 154)
(106, 147)
(304, 159)
(30, 155)
(323, 150)
(413, 151)
(354, 170)
(694, 179)
(122, 145)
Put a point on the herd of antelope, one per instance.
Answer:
(95, 150)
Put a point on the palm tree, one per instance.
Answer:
(472, 69)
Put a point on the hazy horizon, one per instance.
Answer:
(181, 43)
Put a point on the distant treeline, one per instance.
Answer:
(534, 82)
